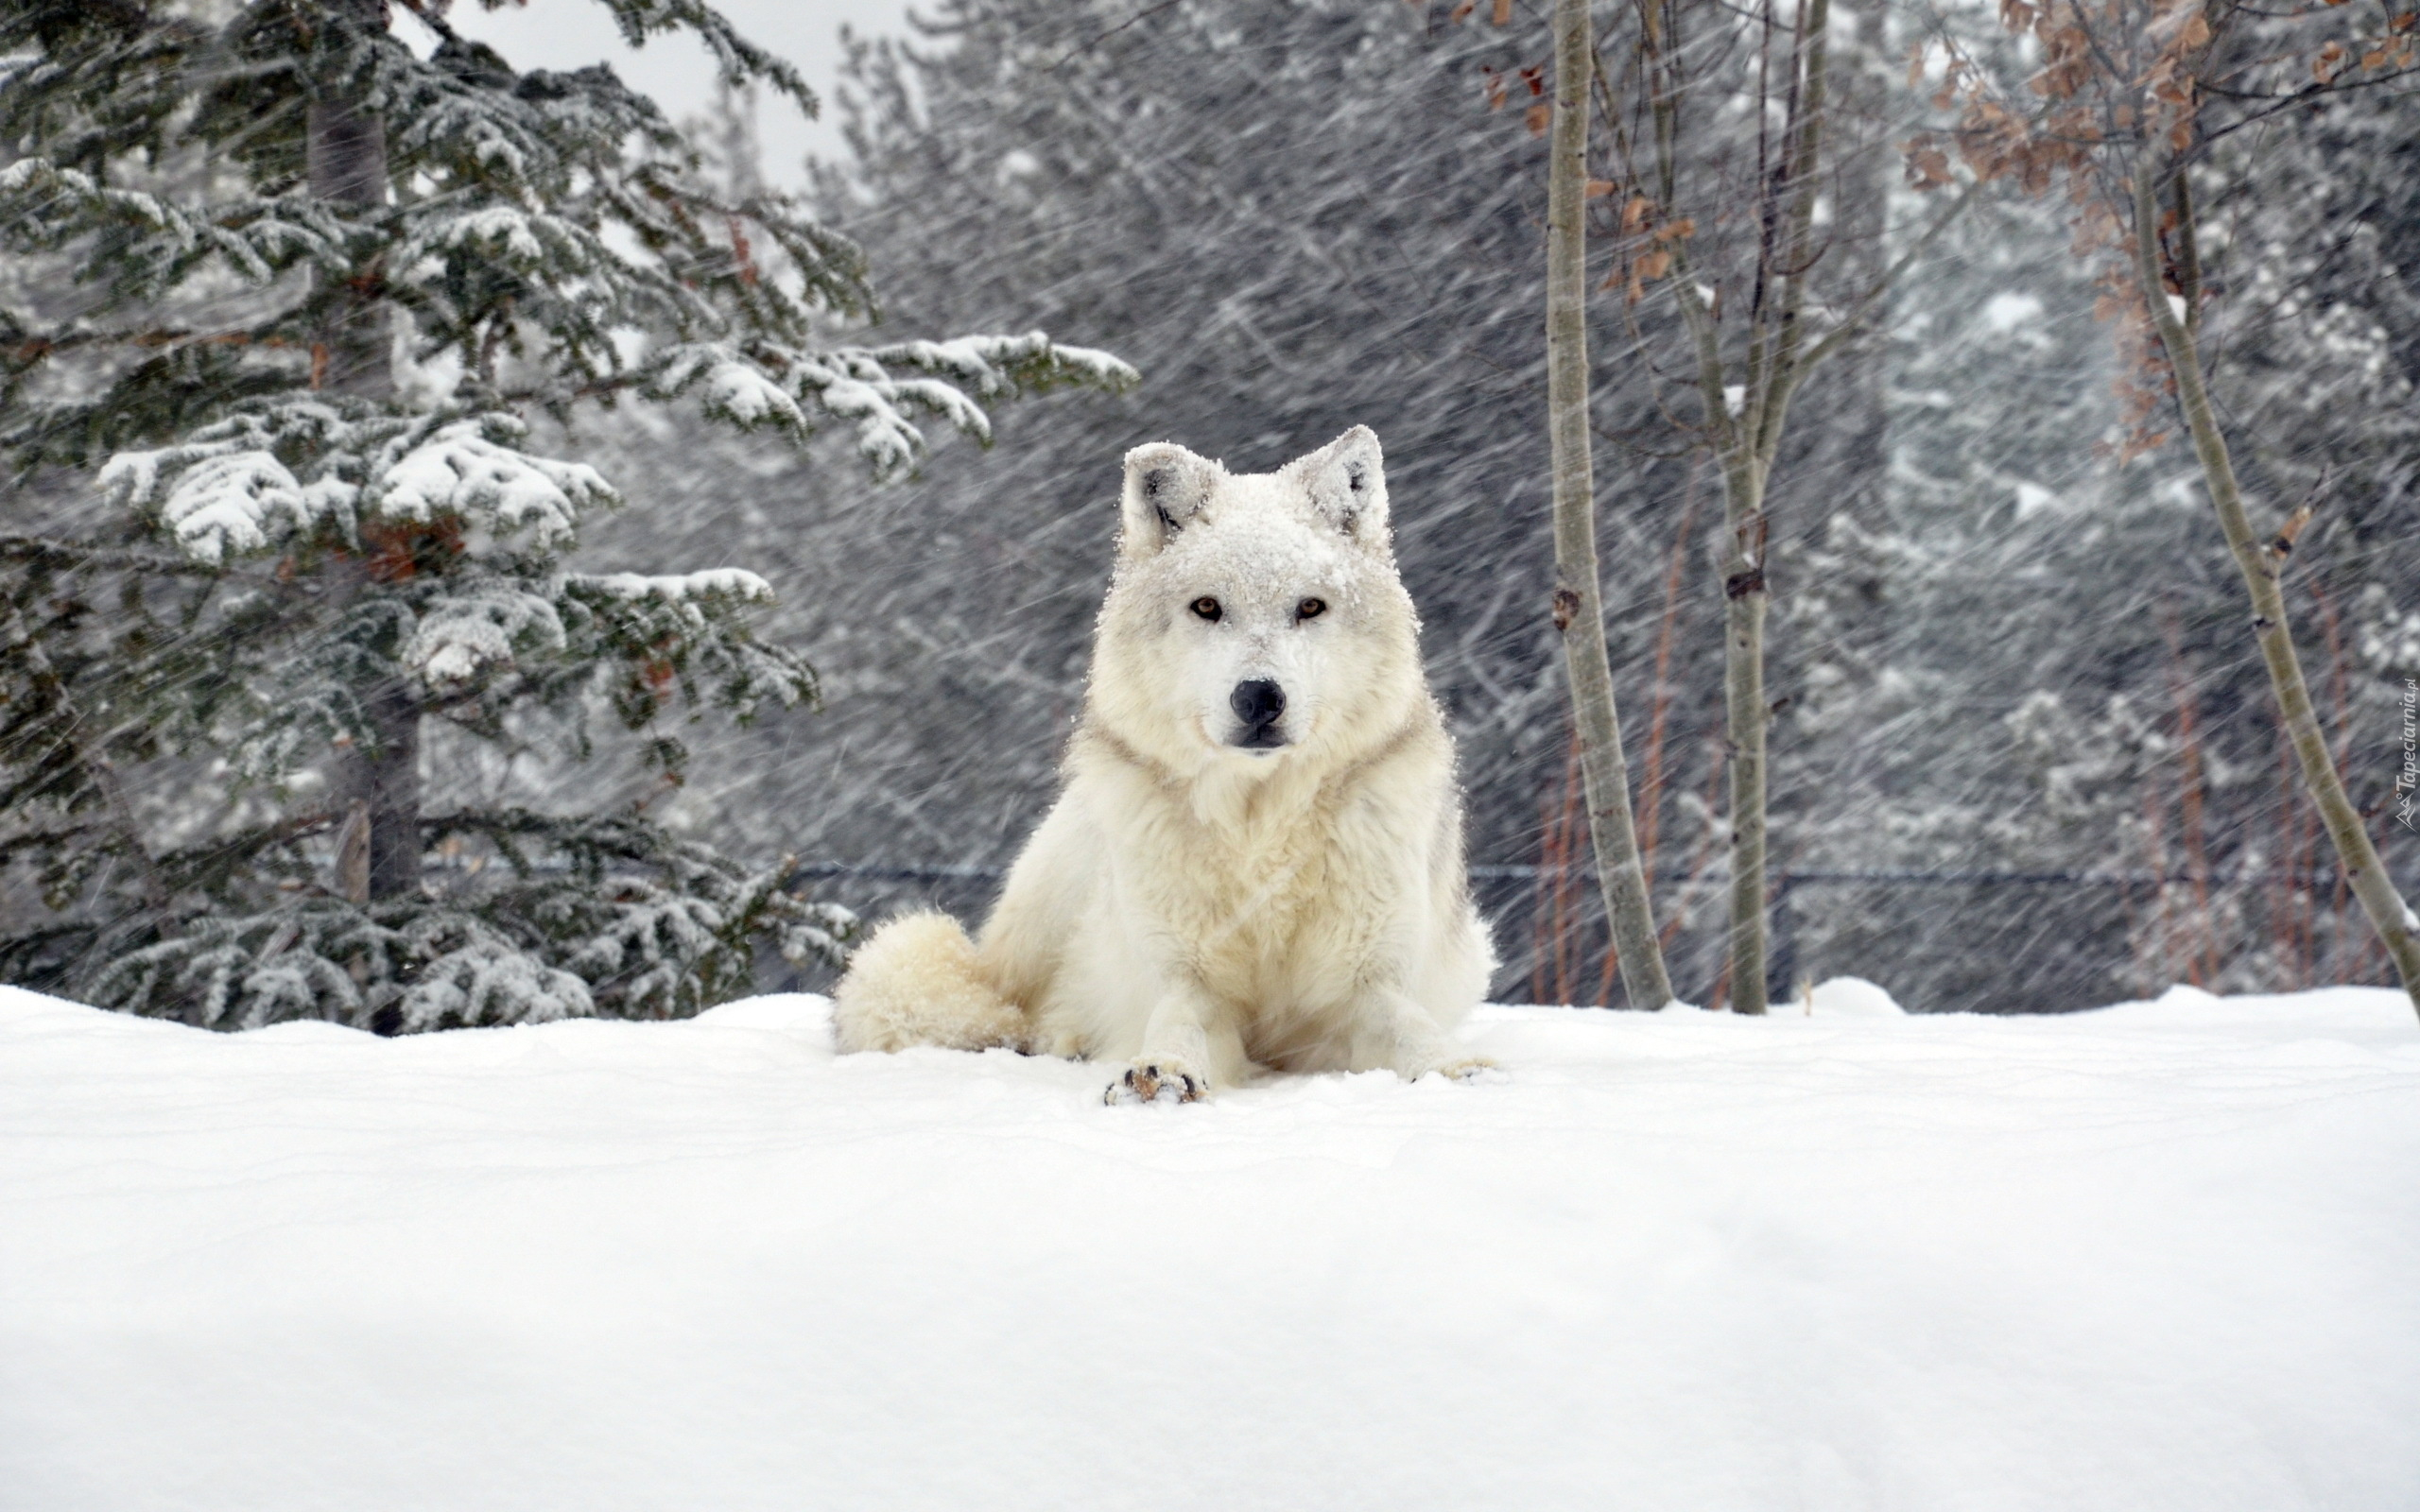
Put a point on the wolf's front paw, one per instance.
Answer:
(1151, 1081)
(1454, 1068)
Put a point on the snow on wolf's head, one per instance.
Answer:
(1256, 620)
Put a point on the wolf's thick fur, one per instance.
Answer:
(1257, 857)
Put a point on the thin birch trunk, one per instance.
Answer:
(1745, 443)
(2262, 565)
(1744, 601)
(346, 154)
(1579, 608)
(1744, 435)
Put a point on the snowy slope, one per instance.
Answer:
(2155, 1257)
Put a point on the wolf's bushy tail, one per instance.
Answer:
(915, 983)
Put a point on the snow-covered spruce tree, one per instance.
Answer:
(318, 281)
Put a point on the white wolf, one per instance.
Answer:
(1257, 854)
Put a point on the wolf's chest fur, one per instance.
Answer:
(1270, 900)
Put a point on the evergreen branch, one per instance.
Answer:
(43, 737)
(737, 60)
(14, 843)
(32, 348)
(68, 555)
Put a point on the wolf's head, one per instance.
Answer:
(1257, 618)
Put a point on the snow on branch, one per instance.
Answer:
(861, 385)
(158, 242)
(231, 494)
(221, 506)
(486, 979)
(764, 383)
(479, 626)
(729, 386)
(440, 111)
(1004, 366)
(432, 968)
(520, 239)
(657, 926)
(684, 589)
(466, 470)
(684, 629)
(231, 491)
(736, 60)
(251, 970)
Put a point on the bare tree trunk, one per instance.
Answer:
(387, 781)
(1579, 609)
(346, 149)
(2262, 565)
(1745, 434)
(1744, 601)
(1745, 421)
(1777, 360)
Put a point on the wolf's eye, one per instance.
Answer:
(1207, 608)
(1310, 608)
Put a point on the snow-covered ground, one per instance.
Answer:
(2160, 1256)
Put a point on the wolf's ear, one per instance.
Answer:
(1347, 482)
(1165, 487)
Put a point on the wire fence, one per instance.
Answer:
(1978, 940)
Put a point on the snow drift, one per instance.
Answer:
(2152, 1256)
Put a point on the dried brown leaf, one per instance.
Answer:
(1927, 166)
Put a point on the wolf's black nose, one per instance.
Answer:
(1257, 703)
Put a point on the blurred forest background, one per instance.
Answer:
(2024, 755)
